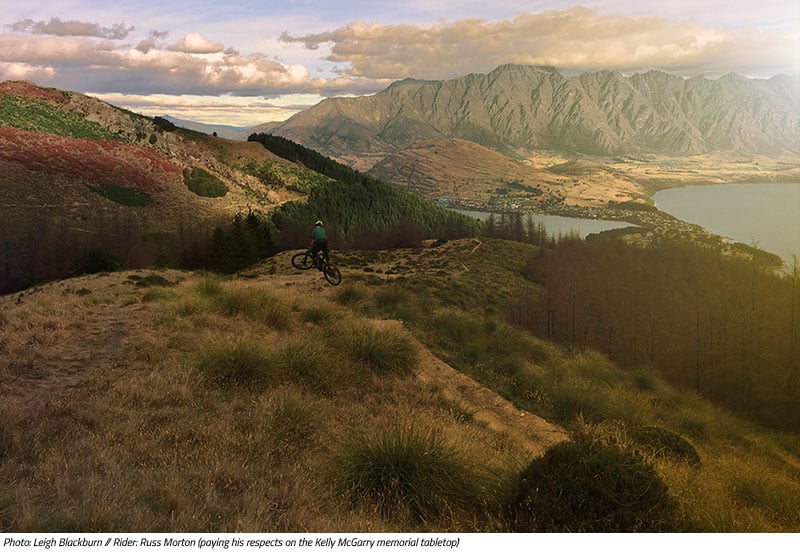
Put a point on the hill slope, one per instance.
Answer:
(170, 401)
(79, 175)
(466, 174)
(89, 186)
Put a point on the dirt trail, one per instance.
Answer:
(49, 357)
(489, 408)
(97, 342)
(530, 430)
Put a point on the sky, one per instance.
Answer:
(242, 63)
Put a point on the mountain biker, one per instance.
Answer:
(319, 241)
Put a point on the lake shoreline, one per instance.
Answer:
(655, 221)
(764, 215)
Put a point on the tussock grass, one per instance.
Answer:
(406, 472)
(572, 396)
(317, 314)
(256, 303)
(234, 299)
(777, 496)
(384, 351)
(237, 362)
(158, 295)
(351, 295)
(288, 423)
(311, 362)
(662, 442)
(209, 286)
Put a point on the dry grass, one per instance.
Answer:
(112, 417)
(202, 413)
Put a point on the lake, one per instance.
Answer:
(766, 215)
(556, 225)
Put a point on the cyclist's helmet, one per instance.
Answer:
(318, 223)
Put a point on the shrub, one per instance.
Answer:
(406, 471)
(153, 280)
(238, 362)
(588, 486)
(101, 262)
(164, 124)
(383, 351)
(203, 183)
(123, 195)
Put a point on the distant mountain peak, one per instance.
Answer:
(529, 107)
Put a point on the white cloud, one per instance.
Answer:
(577, 38)
(222, 110)
(25, 72)
(88, 64)
(195, 43)
(331, 54)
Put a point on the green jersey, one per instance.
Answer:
(318, 234)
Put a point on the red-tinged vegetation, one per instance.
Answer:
(96, 161)
(30, 90)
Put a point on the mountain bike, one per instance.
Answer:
(305, 260)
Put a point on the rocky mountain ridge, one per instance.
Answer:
(522, 108)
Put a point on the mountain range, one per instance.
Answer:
(223, 131)
(165, 400)
(516, 109)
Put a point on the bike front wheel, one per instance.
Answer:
(332, 274)
(302, 261)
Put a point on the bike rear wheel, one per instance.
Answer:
(302, 261)
(332, 273)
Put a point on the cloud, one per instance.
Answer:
(225, 109)
(25, 72)
(89, 64)
(56, 27)
(359, 58)
(152, 41)
(195, 43)
(576, 38)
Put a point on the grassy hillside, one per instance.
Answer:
(40, 115)
(85, 181)
(399, 401)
